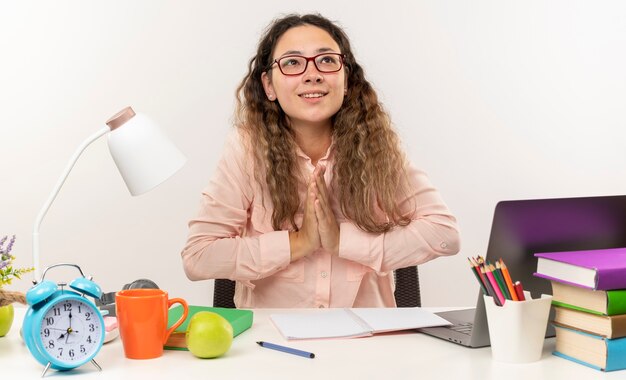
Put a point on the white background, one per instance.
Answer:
(494, 99)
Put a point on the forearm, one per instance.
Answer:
(420, 241)
(235, 258)
(432, 232)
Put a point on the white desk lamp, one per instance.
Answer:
(143, 155)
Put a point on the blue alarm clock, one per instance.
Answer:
(63, 329)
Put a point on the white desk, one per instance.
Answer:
(405, 355)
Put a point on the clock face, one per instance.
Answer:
(71, 331)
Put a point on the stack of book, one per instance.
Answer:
(589, 295)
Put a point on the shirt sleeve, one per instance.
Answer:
(216, 246)
(432, 232)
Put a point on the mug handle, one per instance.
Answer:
(182, 318)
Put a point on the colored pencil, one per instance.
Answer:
(501, 281)
(520, 291)
(507, 279)
(480, 274)
(490, 291)
(498, 276)
(494, 284)
(480, 261)
(288, 350)
(476, 274)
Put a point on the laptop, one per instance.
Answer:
(521, 228)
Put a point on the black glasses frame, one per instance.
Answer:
(306, 64)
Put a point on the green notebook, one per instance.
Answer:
(241, 320)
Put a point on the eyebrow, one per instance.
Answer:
(298, 52)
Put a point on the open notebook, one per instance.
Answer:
(352, 323)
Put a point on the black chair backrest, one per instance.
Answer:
(407, 292)
(223, 293)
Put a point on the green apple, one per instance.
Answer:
(6, 319)
(209, 335)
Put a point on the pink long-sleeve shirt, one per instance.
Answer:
(232, 237)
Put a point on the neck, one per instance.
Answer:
(313, 141)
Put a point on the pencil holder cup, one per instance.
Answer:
(517, 329)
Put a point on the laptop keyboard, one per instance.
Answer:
(463, 328)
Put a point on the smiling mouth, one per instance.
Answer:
(315, 95)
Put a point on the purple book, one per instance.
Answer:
(602, 269)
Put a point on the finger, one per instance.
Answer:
(309, 206)
(309, 209)
(324, 221)
(319, 170)
(322, 189)
(312, 190)
(309, 222)
(318, 173)
(320, 212)
(323, 203)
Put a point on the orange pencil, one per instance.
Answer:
(507, 279)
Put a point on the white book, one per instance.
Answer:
(352, 323)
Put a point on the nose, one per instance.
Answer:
(311, 74)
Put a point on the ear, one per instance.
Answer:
(345, 86)
(267, 86)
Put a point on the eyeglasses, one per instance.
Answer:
(297, 64)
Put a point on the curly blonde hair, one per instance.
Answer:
(369, 170)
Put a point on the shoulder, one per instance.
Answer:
(416, 178)
(237, 147)
(238, 154)
(411, 169)
(235, 143)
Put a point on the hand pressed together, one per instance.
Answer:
(319, 225)
(326, 222)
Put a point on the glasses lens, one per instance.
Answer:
(292, 65)
(328, 63)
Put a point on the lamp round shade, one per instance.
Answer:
(144, 156)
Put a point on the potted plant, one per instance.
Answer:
(7, 273)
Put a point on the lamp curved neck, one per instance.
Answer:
(55, 192)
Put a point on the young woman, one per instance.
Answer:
(313, 203)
